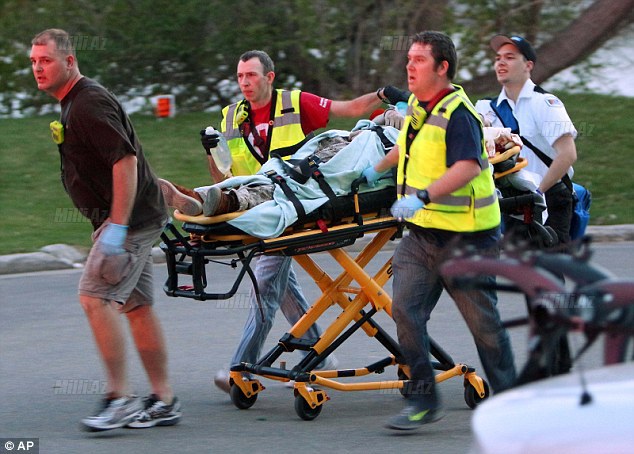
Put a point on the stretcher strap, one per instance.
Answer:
(387, 143)
(323, 184)
(309, 168)
(281, 182)
(306, 167)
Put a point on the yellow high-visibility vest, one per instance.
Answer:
(472, 208)
(286, 131)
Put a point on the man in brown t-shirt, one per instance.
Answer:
(110, 182)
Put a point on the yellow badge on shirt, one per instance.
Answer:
(57, 132)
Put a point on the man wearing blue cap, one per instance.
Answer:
(543, 123)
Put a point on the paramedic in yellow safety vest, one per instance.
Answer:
(273, 121)
(446, 196)
(247, 157)
(269, 121)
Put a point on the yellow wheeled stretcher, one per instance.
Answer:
(358, 295)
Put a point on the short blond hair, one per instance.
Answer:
(62, 39)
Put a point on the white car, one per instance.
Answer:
(547, 416)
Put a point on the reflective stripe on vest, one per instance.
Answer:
(473, 207)
(286, 131)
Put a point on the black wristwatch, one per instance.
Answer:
(424, 196)
(382, 98)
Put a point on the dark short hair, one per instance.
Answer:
(62, 39)
(442, 49)
(267, 63)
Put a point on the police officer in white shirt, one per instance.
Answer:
(543, 123)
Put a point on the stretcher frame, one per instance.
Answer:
(358, 304)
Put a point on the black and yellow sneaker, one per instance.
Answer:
(413, 417)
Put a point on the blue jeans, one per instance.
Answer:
(417, 288)
(279, 289)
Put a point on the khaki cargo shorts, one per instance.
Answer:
(126, 278)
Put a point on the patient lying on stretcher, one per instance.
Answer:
(213, 201)
(363, 145)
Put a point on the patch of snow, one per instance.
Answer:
(611, 70)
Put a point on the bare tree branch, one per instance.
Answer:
(601, 21)
(598, 23)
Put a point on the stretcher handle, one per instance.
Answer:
(510, 204)
(354, 189)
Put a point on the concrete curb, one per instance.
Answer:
(53, 257)
(61, 256)
(611, 233)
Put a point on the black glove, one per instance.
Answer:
(208, 141)
(394, 95)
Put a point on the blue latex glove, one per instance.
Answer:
(401, 107)
(405, 207)
(371, 176)
(112, 238)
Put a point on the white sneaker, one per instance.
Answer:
(114, 413)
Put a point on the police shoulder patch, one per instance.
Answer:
(553, 101)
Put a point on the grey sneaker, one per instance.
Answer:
(412, 418)
(217, 202)
(211, 202)
(157, 413)
(114, 413)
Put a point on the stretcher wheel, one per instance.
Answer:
(240, 400)
(471, 396)
(304, 410)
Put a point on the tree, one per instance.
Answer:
(338, 50)
(600, 21)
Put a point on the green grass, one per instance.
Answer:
(35, 208)
(603, 154)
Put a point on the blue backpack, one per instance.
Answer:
(581, 211)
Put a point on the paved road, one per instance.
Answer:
(50, 376)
